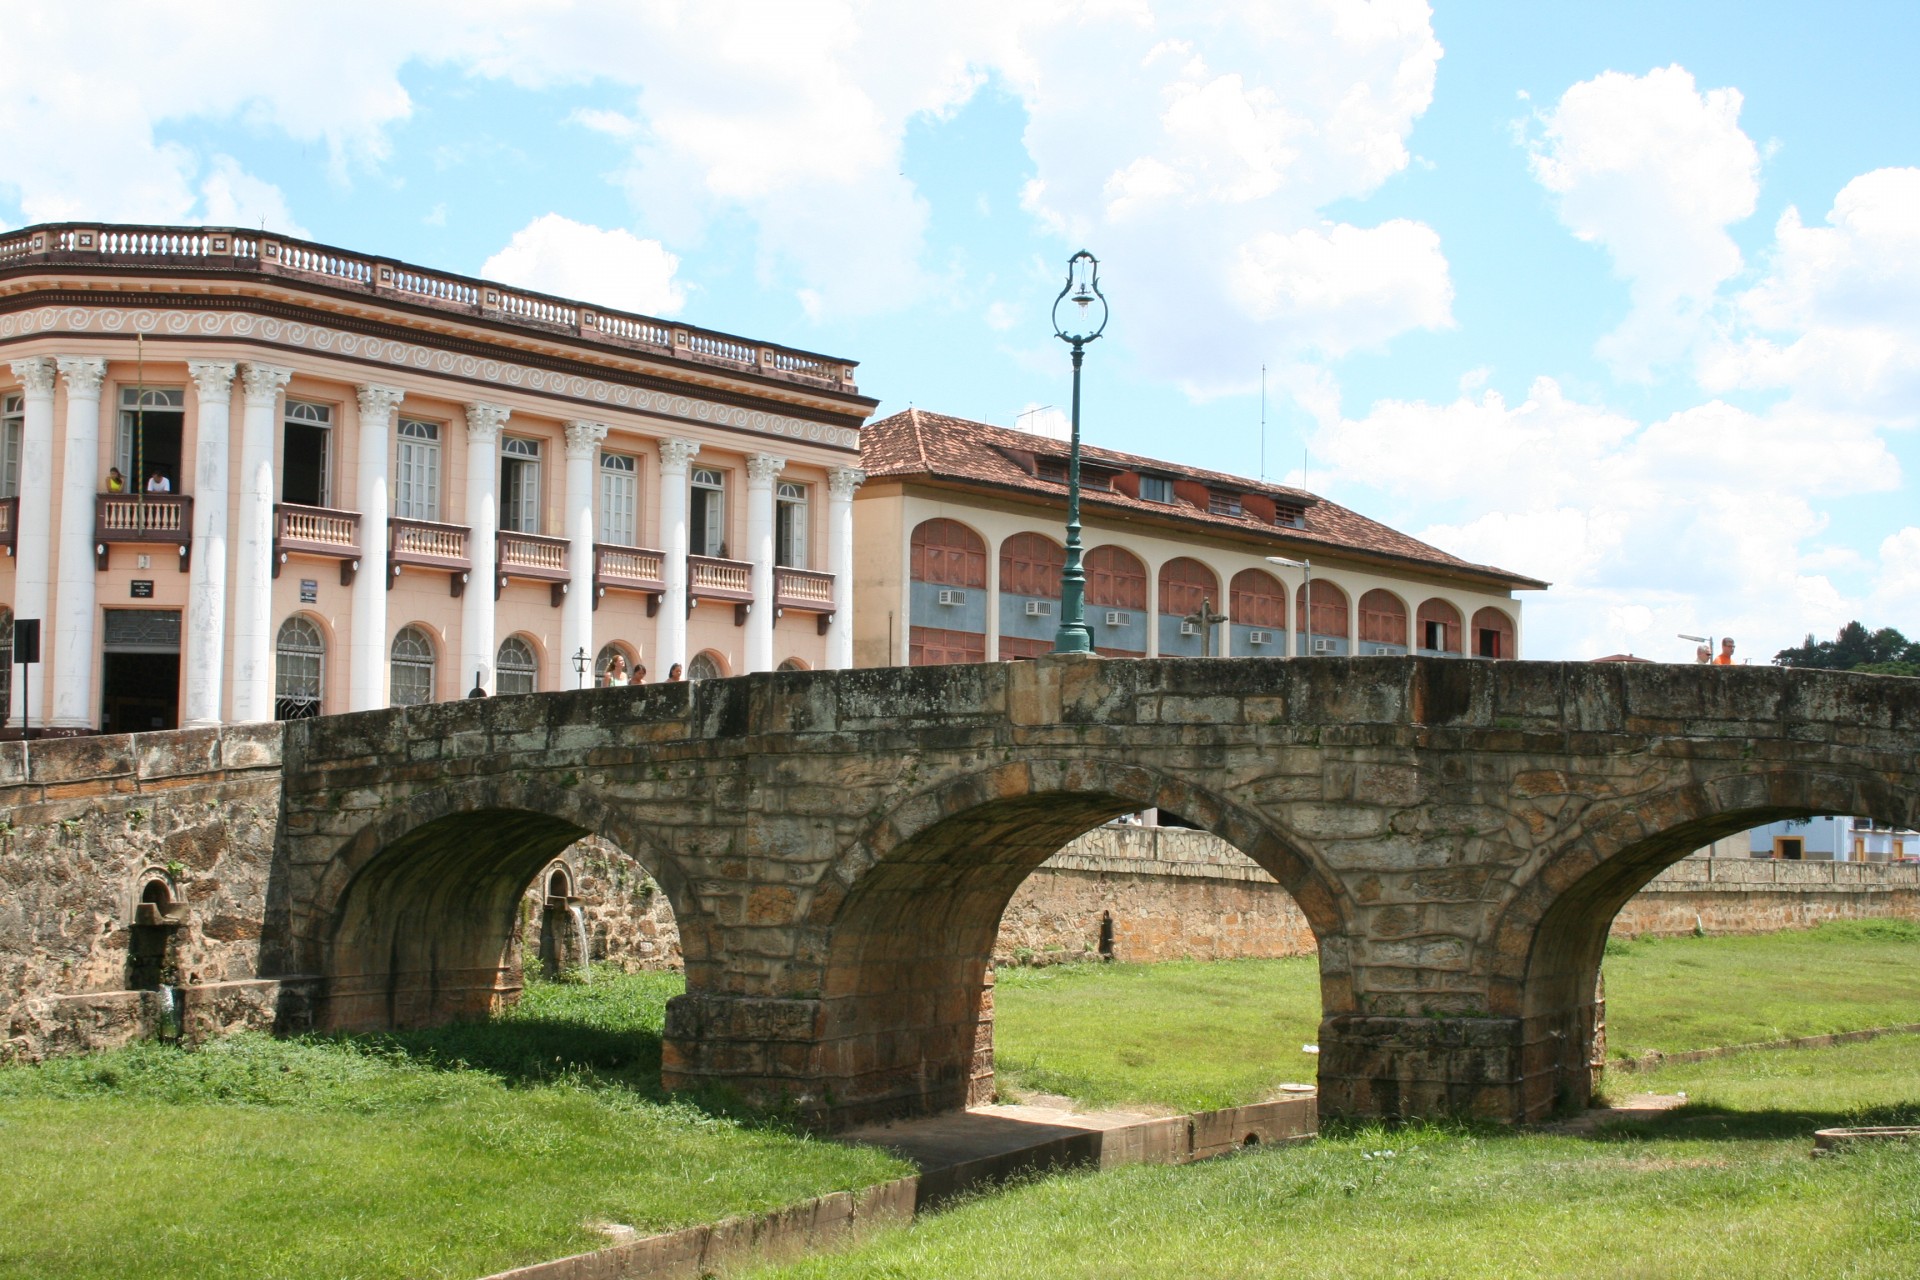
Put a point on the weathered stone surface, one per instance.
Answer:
(837, 848)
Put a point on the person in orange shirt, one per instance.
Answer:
(1725, 658)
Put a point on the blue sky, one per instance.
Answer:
(1625, 296)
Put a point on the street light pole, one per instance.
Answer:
(1306, 596)
(1083, 290)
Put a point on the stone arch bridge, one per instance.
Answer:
(838, 846)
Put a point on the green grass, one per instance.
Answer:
(454, 1152)
(1189, 1035)
(1724, 1188)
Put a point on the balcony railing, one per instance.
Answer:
(9, 522)
(316, 531)
(531, 555)
(164, 518)
(233, 250)
(618, 568)
(710, 578)
(806, 590)
(427, 544)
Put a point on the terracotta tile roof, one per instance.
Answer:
(920, 444)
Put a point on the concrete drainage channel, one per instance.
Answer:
(957, 1153)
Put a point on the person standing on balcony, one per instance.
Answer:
(157, 482)
(116, 483)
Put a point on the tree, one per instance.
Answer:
(1885, 652)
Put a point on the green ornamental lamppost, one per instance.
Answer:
(1083, 325)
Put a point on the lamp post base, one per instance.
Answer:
(1073, 639)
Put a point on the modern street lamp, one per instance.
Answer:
(1306, 594)
(580, 667)
(1082, 325)
(1705, 640)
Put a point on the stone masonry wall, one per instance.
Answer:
(1176, 894)
(89, 823)
(629, 924)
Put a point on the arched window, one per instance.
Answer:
(515, 668)
(412, 675)
(948, 553)
(1030, 565)
(1439, 628)
(1383, 620)
(1326, 621)
(792, 664)
(1186, 584)
(606, 656)
(6, 663)
(1256, 599)
(705, 666)
(1492, 634)
(1116, 578)
(299, 669)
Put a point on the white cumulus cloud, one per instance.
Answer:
(1653, 170)
(614, 268)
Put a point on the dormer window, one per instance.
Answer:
(1095, 478)
(1289, 515)
(1156, 489)
(1223, 504)
(1052, 469)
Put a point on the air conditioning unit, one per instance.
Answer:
(1039, 608)
(1323, 646)
(1115, 618)
(1189, 628)
(953, 597)
(1259, 637)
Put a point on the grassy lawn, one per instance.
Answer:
(455, 1152)
(1724, 1187)
(1190, 1034)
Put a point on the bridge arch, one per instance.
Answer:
(414, 920)
(1550, 935)
(908, 916)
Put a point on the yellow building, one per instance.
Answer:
(243, 476)
(959, 553)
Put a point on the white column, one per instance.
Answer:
(33, 531)
(1153, 612)
(483, 542)
(576, 615)
(761, 470)
(841, 483)
(71, 633)
(261, 385)
(671, 639)
(367, 678)
(205, 648)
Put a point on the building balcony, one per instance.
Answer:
(165, 519)
(532, 556)
(618, 568)
(316, 531)
(9, 523)
(427, 544)
(806, 590)
(710, 578)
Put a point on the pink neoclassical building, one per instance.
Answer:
(244, 477)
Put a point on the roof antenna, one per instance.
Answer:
(1263, 421)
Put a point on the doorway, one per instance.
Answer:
(140, 663)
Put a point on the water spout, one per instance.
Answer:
(580, 938)
(169, 1014)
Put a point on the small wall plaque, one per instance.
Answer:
(309, 591)
(142, 588)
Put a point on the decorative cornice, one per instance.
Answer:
(842, 481)
(36, 375)
(263, 383)
(377, 402)
(763, 467)
(675, 454)
(213, 379)
(582, 436)
(84, 374)
(236, 325)
(484, 422)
